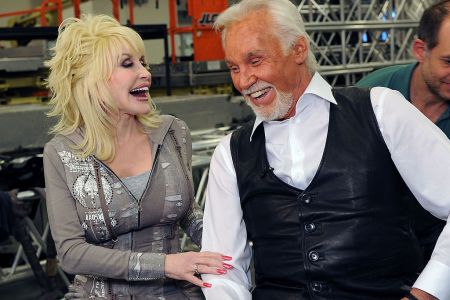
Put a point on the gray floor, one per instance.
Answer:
(26, 288)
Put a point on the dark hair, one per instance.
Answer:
(431, 22)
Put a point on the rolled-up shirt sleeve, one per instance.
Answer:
(421, 153)
(224, 229)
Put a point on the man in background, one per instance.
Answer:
(426, 84)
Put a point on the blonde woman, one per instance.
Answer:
(118, 175)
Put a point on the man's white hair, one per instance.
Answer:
(288, 23)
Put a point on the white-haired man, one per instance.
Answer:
(314, 184)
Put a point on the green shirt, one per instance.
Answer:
(398, 78)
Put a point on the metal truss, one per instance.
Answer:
(353, 37)
(27, 245)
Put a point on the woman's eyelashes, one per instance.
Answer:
(129, 63)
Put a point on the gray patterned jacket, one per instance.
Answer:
(147, 228)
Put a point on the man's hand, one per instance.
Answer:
(421, 295)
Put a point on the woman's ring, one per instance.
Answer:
(196, 270)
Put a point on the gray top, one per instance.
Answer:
(147, 227)
(136, 184)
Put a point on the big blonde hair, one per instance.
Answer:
(287, 21)
(86, 52)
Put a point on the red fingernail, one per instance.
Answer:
(225, 257)
(207, 285)
(227, 266)
(220, 271)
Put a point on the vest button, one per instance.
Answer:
(310, 227)
(316, 287)
(305, 198)
(313, 256)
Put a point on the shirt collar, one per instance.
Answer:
(317, 86)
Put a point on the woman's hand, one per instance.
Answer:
(188, 265)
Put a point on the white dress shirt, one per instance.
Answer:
(419, 149)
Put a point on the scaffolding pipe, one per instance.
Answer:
(76, 8)
(130, 11)
(116, 11)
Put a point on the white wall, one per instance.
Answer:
(145, 14)
(13, 5)
(7, 6)
(148, 14)
(85, 7)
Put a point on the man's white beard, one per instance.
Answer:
(276, 110)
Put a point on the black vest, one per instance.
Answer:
(347, 235)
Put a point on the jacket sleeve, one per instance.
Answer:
(192, 222)
(76, 255)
